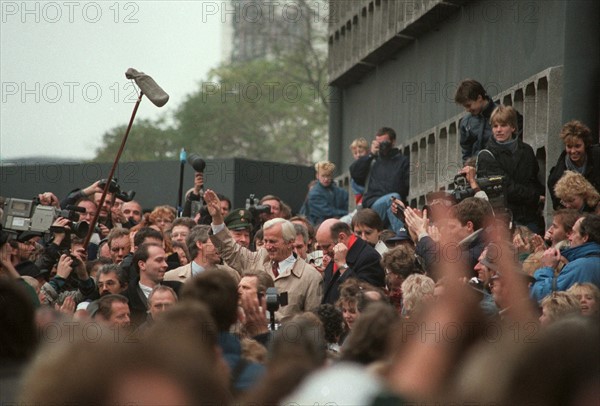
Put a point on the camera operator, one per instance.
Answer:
(94, 193)
(469, 172)
(506, 155)
(6, 266)
(64, 283)
(51, 253)
(385, 174)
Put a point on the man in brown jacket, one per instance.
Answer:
(292, 275)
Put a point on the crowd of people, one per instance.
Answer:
(468, 299)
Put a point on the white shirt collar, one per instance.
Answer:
(285, 266)
(197, 269)
(145, 289)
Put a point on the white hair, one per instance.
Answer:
(288, 232)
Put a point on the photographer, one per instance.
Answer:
(469, 172)
(385, 174)
(93, 192)
(195, 194)
(110, 213)
(64, 283)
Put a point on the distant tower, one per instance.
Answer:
(263, 28)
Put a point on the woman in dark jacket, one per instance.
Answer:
(508, 156)
(579, 156)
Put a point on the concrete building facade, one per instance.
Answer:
(397, 63)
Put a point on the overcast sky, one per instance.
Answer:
(62, 67)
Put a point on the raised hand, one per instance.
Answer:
(538, 243)
(198, 182)
(340, 251)
(49, 199)
(68, 306)
(416, 223)
(213, 204)
(255, 320)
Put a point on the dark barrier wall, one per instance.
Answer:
(157, 183)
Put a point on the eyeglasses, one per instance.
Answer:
(107, 283)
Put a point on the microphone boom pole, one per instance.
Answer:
(112, 173)
(182, 160)
(159, 98)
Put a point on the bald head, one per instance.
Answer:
(326, 225)
(329, 233)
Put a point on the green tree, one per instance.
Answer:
(255, 110)
(273, 108)
(147, 141)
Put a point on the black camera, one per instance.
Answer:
(493, 187)
(79, 228)
(400, 212)
(256, 209)
(115, 189)
(252, 204)
(385, 147)
(275, 300)
(66, 251)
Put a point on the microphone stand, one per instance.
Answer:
(182, 159)
(112, 173)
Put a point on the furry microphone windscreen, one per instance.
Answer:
(149, 87)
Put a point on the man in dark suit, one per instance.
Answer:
(349, 257)
(150, 262)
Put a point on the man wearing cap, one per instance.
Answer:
(239, 224)
(204, 256)
(400, 238)
(292, 275)
(25, 246)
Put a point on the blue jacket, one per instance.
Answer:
(232, 352)
(475, 131)
(583, 266)
(326, 202)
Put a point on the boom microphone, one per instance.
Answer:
(197, 163)
(149, 87)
